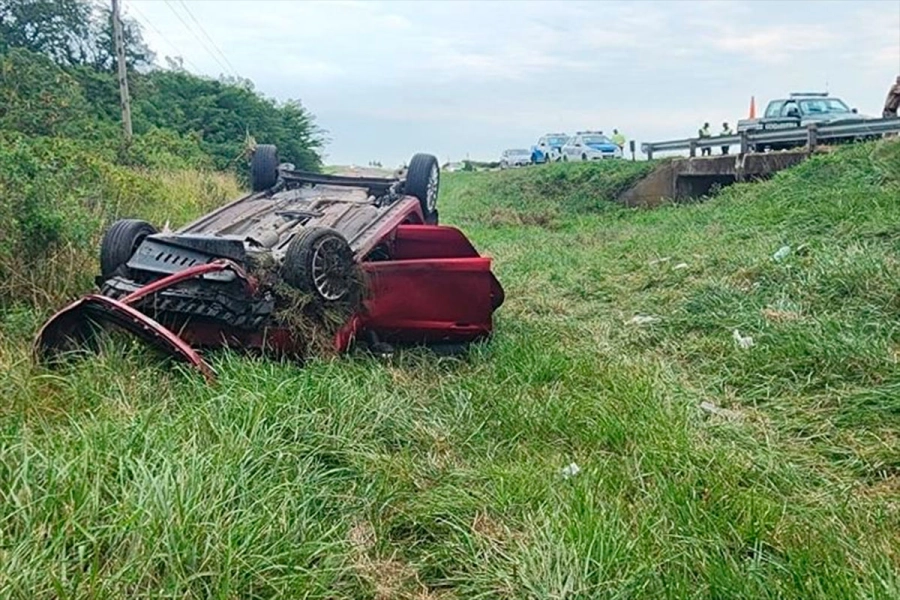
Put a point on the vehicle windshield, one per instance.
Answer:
(518, 152)
(596, 139)
(823, 105)
(555, 141)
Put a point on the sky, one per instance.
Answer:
(468, 79)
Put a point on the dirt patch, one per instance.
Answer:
(500, 216)
(390, 577)
(780, 316)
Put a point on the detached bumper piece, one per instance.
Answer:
(76, 325)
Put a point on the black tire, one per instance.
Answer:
(320, 261)
(584, 158)
(119, 243)
(264, 167)
(433, 219)
(423, 179)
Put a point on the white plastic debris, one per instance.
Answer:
(642, 320)
(743, 342)
(657, 261)
(680, 266)
(571, 471)
(782, 253)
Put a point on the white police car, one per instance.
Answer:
(548, 148)
(590, 145)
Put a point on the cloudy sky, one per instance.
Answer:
(454, 78)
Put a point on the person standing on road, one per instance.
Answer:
(726, 130)
(892, 102)
(704, 133)
(618, 139)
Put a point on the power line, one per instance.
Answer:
(196, 37)
(206, 35)
(143, 18)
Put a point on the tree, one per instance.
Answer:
(58, 64)
(70, 32)
(59, 29)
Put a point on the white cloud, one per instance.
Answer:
(774, 44)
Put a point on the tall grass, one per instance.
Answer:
(707, 469)
(58, 196)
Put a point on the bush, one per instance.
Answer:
(57, 196)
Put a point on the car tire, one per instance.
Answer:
(119, 242)
(584, 158)
(565, 158)
(264, 167)
(423, 179)
(320, 261)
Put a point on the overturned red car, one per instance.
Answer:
(371, 244)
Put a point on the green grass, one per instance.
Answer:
(425, 477)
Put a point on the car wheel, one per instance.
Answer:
(119, 243)
(423, 180)
(320, 261)
(584, 158)
(264, 167)
(565, 158)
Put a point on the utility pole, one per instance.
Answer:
(119, 40)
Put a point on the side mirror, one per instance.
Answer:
(578, 145)
(854, 111)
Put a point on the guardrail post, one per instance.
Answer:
(745, 143)
(812, 135)
(693, 148)
(650, 153)
(631, 147)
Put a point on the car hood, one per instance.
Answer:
(850, 117)
(603, 147)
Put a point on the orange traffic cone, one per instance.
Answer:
(752, 107)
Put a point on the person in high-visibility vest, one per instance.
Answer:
(618, 139)
(705, 133)
(726, 130)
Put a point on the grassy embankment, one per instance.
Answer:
(440, 478)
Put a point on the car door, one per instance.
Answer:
(577, 148)
(569, 149)
(435, 288)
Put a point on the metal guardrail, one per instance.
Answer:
(751, 139)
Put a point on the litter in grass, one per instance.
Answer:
(656, 261)
(680, 266)
(743, 342)
(642, 320)
(570, 471)
(781, 254)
